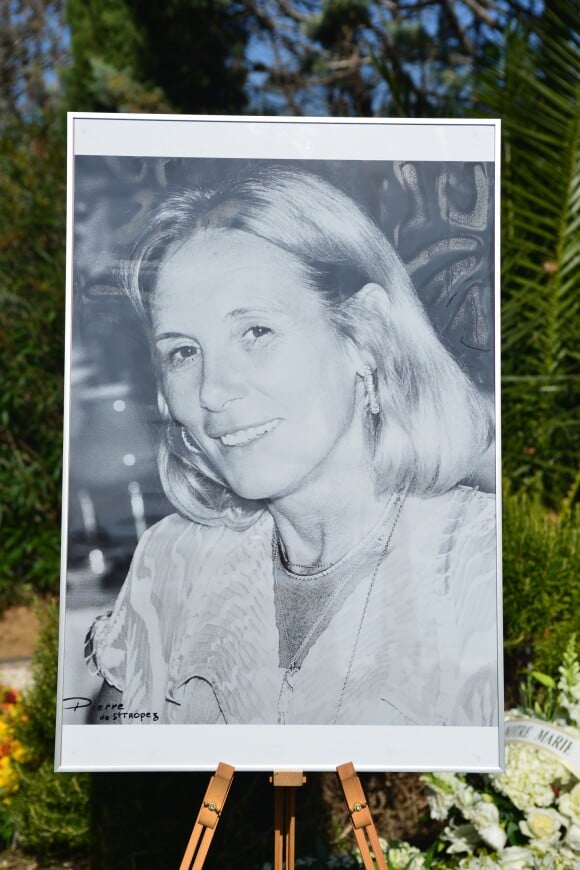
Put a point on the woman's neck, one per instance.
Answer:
(330, 513)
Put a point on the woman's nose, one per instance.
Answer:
(221, 384)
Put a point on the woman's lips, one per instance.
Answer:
(244, 436)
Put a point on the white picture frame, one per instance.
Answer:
(432, 188)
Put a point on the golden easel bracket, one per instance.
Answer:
(208, 817)
(360, 815)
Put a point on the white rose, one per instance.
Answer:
(572, 838)
(542, 826)
(516, 858)
(569, 804)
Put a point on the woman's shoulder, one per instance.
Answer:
(193, 574)
(468, 542)
(176, 538)
(474, 511)
(471, 523)
(476, 502)
(470, 498)
(176, 555)
(461, 510)
(458, 532)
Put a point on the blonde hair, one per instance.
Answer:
(433, 424)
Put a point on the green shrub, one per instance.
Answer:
(540, 574)
(50, 811)
(32, 245)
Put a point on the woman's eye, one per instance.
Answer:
(183, 354)
(255, 332)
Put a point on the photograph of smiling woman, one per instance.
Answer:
(333, 556)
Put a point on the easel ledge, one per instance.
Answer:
(285, 784)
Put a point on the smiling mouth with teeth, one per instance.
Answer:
(244, 436)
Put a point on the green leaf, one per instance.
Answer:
(544, 679)
(534, 88)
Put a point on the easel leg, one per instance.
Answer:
(362, 822)
(208, 817)
(285, 784)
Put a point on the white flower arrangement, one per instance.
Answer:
(530, 776)
(526, 818)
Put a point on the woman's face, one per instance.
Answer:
(250, 364)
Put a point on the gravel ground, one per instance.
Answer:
(18, 634)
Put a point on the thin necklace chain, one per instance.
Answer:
(317, 568)
(293, 664)
(382, 556)
(313, 568)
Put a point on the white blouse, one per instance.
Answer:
(193, 635)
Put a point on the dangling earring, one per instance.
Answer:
(186, 438)
(371, 390)
(162, 406)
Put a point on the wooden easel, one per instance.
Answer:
(208, 817)
(285, 784)
(360, 816)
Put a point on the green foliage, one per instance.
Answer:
(32, 294)
(551, 699)
(185, 55)
(119, 90)
(196, 52)
(6, 827)
(102, 33)
(535, 89)
(37, 730)
(541, 566)
(50, 811)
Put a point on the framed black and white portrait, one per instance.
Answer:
(281, 524)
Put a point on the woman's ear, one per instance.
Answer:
(374, 299)
(370, 303)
